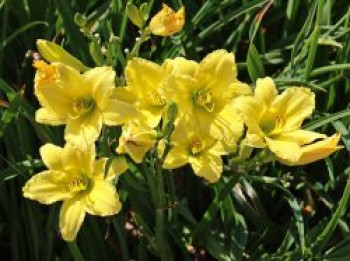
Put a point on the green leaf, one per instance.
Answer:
(254, 63)
(77, 41)
(327, 119)
(299, 221)
(340, 251)
(18, 168)
(10, 113)
(211, 212)
(328, 231)
(24, 28)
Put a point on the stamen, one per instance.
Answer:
(83, 106)
(196, 146)
(156, 98)
(204, 98)
(280, 121)
(78, 184)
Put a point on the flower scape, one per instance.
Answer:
(152, 120)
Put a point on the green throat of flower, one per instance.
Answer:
(204, 99)
(273, 126)
(83, 106)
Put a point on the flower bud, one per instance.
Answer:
(54, 53)
(134, 15)
(166, 22)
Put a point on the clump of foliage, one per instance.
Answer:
(257, 207)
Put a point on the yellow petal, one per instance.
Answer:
(218, 69)
(220, 63)
(136, 140)
(185, 128)
(124, 94)
(176, 158)
(316, 151)
(102, 200)
(72, 82)
(284, 150)
(78, 158)
(102, 81)
(293, 106)
(54, 53)
(85, 129)
(207, 166)
(237, 89)
(47, 116)
(47, 187)
(118, 112)
(301, 137)
(143, 75)
(52, 156)
(252, 111)
(71, 218)
(228, 123)
(180, 90)
(224, 147)
(166, 22)
(255, 140)
(181, 66)
(150, 115)
(116, 168)
(266, 90)
(51, 92)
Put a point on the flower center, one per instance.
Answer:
(46, 73)
(196, 146)
(77, 184)
(274, 125)
(204, 98)
(156, 98)
(83, 106)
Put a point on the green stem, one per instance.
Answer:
(160, 229)
(74, 250)
(330, 68)
(150, 181)
(203, 227)
(143, 38)
(324, 237)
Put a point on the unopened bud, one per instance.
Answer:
(134, 15)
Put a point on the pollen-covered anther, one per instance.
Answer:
(45, 73)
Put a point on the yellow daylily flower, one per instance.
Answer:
(166, 22)
(316, 151)
(136, 140)
(189, 145)
(206, 91)
(274, 121)
(54, 53)
(81, 101)
(145, 83)
(80, 181)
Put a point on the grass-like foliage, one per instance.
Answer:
(256, 210)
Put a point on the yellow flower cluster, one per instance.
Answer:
(216, 113)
